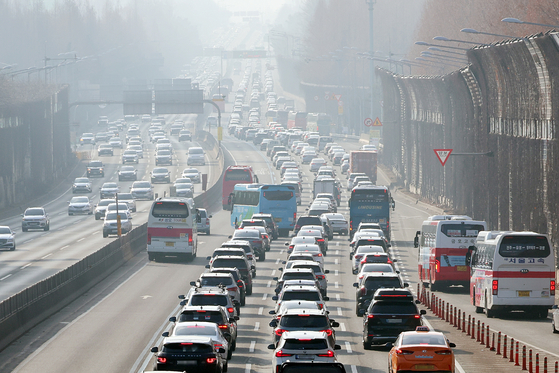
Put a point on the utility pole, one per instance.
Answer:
(371, 4)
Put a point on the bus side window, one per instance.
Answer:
(416, 239)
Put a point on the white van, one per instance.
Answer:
(172, 229)
(196, 156)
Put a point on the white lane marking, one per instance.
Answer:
(46, 256)
(336, 261)
(282, 251)
(337, 244)
(336, 284)
(348, 347)
(25, 266)
(94, 233)
(274, 272)
(256, 326)
(251, 348)
(260, 310)
(337, 252)
(335, 272)
(247, 367)
(265, 296)
(5, 277)
(342, 327)
(456, 363)
(269, 284)
(339, 311)
(64, 247)
(353, 369)
(277, 260)
(81, 239)
(337, 296)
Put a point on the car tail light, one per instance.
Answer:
(240, 284)
(256, 241)
(328, 332)
(351, 225)
(437, 265)
(319, 254)
(552, 287)
(443, 352)
(265, 236)
(230, 309)
(389, 261)
(416, 316)
(149, 239)
(279, 332)
(320, 277)
(232, 288)
(190, 240)
(320, 305)
(161, 359)
(495, 287)
(211, 360)
(358, 257)
(403, 352)
(320, 240)
(363, 291)
(330, 353)
(280, 353)
(217, 345)
(370, 316)
(360, 277)
(208, 223)
(223, 326)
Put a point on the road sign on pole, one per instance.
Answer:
(338, 97)
(443, 154)
(368, 122)
(377, 123)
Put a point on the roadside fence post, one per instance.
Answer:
(511, 352)
(523, 357)
(464, 322)
(499, 344)
(516, 360)
(505, 347)
(487, 339)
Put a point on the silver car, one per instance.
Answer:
(196, 156)
(35, 218)
(81, 185)
(7, 238)
(80, 205)
(142, 190)
(110, 225)
(204, 222)
(127, 198)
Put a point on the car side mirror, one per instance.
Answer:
(406, 285)
(355, 284)
(154, 349)
(275, 278)
(273, 323)
(208, 257)
(286, 243)
(253, 267)
(207, 266)
(221, 350)
(237, 318)
(423, 312)
(275, 297)
(337, 347)
(229, 236)
(450, 344)
(210, 216)
(335, 324)
(192, 283)
(389, 345)
(165, 334)
(173, 319)
(326, 298)
(280, 269)
(182, 297)
(283, 261)
(554, 307)
(271, 347)
(182, 303)
(326, 271)
(272, 312)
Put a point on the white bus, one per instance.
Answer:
(172, 229)
(512, 271)
(443, 243)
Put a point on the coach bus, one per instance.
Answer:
(370, 204)
(319, 122)
(278, 200)
(297, 119)
(172, 229)
(235, 175)
(512, 271)
(442, 244)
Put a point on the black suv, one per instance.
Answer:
(192, 353)
(215, 314)
(269, 219)
(235, 261)
(306, 220)
(370, 284)
(237, 277)
(391, 312)
(95, 168)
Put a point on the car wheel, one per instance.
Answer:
(24, 229)
(70, 214)
(243, 301)
(13, 248)
(249, 290)
(229, 355)
(47, 227)
(105, 234)
(97, 217)
(225, 366)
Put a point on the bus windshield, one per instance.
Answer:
(524, 247)
(167, 209)
(461, 230)
(278, 195)
(369, 196)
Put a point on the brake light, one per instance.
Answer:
(351, 225)
(280, 353)
(232, 288)
(389, 261)
(230, 309)
(265, 236)
(495, 287)
(149, 239)
(218, 345)
(319, 254)
(223, 326)
(211, 360)
(417, 316)
(304, 315)
(443, 352)
(437, 265)
(330, 353)
(161, 360)
(320, 277)
(186, 344)
(279, 332)
(190, 240)
(552, 287)
(371, 316)
(403, 352)
(363, 291)
(328, 332)
(358, 257)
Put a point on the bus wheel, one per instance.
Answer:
(543, 313)
(151, 257)
(490, 313)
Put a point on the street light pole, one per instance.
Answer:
(516, 20)
(371, 4)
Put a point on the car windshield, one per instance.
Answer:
(5, 230)
(143, 184)
(109, 185)
(298, 276)
(112, 216)
(394, 308)
(127, 168)
(79, 200)
(377, 283)
(82, 180)
(160, 171)
(195, 151)
(95, 164)
(181, 348)
(240, 263)
(305, 344)
(194, 330)
(190, 171)
(377, 267)
(130, 152)
(34, 212)
(423, 339)
(208, 300)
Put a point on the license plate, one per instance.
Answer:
(524, 293)
(424, 366)
(171, 244)
(187, 362)
(461, 268)
(277, 220)
(393, 321)
(304, 357)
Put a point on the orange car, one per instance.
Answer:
(421, 350)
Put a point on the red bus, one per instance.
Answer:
(236, 175)
(297, 119)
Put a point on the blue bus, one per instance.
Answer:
(278, 200)
(370, 204)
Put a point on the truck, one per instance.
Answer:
(364, 161)
(326, 185)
